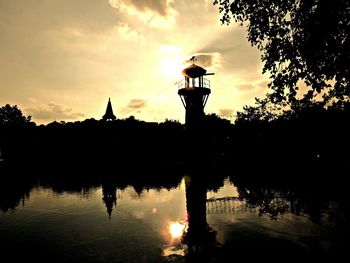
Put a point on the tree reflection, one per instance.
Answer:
(14, 191)
(313, 200)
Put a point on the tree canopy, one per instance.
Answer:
(11, 116)
(301, 40)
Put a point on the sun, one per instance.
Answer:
(171, 62)
(171, 68)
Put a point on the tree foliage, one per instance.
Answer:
(263, 111)
(11, 116)
(301, 40)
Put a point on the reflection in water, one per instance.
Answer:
(194, 239)
(171, 251)
(176, 229)
(228, 205)
(109, 190)
(175, 247)
(1, 157)
(199, 235)
(251, 217)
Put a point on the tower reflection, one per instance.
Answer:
(199, 237)
(109, 196)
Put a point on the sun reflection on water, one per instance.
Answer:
(175, 232)
(176, 229)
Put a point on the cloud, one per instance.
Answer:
(253, 86)
(245, 87)
(136, 104)
(31, 99)
(160, 7)
(53, 111)
(41, 15)
(206, 59)
(51, 45)
(238, 57)
(127, 33)
(154, 13)
(226, 112)
(253, 89)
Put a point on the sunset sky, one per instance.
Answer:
(63, 59)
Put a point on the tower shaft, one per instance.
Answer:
(194, 101)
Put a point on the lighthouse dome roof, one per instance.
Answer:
(193, 71)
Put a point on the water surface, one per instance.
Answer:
(139, 223)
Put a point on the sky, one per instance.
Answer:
(63, 59)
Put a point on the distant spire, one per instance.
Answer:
(109, 116)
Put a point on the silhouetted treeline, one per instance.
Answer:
(308, 141)
(127, 142)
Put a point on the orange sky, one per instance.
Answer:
(63, 59)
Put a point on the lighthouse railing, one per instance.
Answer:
(194, 83)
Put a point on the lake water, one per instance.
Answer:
(184, 223)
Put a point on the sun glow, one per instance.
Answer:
(171, 62)
(171, 68)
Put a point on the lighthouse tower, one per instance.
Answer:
(194, 91)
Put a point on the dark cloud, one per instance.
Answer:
(53, 111)
(157, 6)
(136, 103)
(226, 112)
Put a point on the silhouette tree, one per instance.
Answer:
(301, 41)
(263, 111)
(11, 116)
